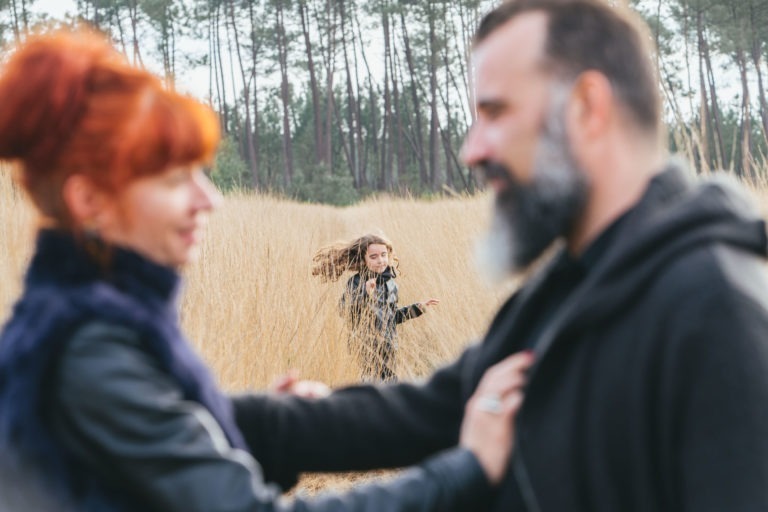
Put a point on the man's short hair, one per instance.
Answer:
(592, 35)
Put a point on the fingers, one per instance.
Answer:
(311, 389)
(506, 376)
(290, 384)
(500, 390)
(488, 426)
(284, 383)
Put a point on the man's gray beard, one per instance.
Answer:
(528, 218)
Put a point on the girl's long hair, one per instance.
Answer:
(330, 262)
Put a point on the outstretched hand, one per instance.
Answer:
(488, 429)
(429, 302)
(291, 384)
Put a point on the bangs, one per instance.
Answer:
(169, 131)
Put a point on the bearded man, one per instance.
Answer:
(649, 323)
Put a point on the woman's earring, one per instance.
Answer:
(91, 229)
(94, 244)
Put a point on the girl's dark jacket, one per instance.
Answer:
(650, 389)
(104, 406)
(376, 315)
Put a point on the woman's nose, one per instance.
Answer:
(207, 196)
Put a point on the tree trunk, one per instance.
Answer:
(317, 118)
(255, 46)
(133, 14)
(757, 56)
(369, 145)
(24, 16)
(282, 53)
(436, 172)
(398, 115)
(246, 135)
(385, 182)
(352, 109)
(705, 120)
(220, 82)
(116, 15)
(717, 123)
(417, 136)
(746, 117)
(15, 22)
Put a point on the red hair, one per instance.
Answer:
(71, 104)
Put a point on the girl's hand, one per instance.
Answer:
(370, 286)
(290, 384)
(429, 302)
(488, 426)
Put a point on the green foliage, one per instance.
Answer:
(320, 186)
(230, 171)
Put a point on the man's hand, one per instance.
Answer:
(488, 428)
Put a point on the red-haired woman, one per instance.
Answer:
(103, 403)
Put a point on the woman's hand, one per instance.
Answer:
(290, 384)
(488, 429)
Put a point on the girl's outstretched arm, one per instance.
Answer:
(414, 310)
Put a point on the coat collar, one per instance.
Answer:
(62, 258)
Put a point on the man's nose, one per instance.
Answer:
(473, 150)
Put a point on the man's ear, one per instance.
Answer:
(85, 201)
(593, 107)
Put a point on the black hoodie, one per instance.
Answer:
(649, 389)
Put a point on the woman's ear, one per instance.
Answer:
(85, 201)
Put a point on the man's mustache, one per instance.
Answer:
(489, 170)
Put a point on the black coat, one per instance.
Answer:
(649, 389)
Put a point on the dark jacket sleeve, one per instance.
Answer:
(360, 427)
(408, 313)
(127, 421)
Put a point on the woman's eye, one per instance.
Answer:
(177, 177)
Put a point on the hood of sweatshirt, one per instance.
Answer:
(675, 215)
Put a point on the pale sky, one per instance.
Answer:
(190, 81)
(54, 8)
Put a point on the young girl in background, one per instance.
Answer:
(369, 301)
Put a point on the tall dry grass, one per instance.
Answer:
(17, 226)
(252, 308)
